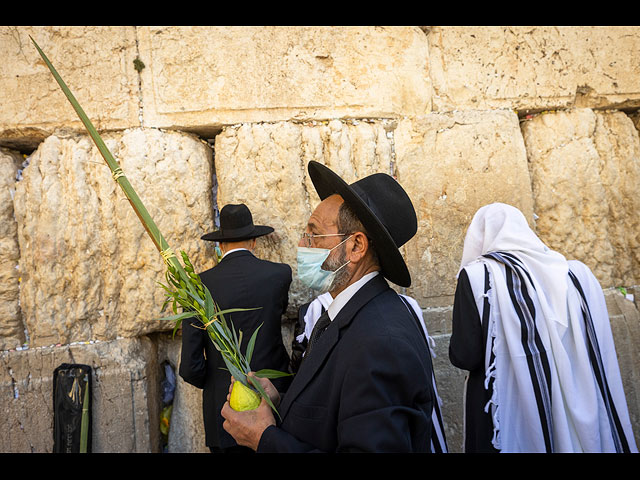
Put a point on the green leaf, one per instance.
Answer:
(180, 316)
(268, 373)
(175, 328)
(234, 337)
(235, 372)
(209, 306)
(251, 344)
(192, 295)
(231, 310)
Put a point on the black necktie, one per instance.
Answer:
(320, 326)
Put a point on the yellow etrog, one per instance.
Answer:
(243, 398)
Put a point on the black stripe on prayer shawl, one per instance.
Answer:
(619, 437)
(438, 438)
(486, 306)
(535, 353)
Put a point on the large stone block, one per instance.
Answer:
(451, 165)
(216, 75)
(265, 167)
(125, 396)
(96, 62)
(89, 269)
(11, 328)
(585, 171)
(534, 67)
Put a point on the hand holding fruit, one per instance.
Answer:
(246, 414)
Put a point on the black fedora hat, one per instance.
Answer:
(236, 224)
(384, 209)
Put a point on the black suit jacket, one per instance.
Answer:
(366, 386)
(240, 280)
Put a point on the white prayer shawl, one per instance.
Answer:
(550, 359)
(316, 307)
(322, 302)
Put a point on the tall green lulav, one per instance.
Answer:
(184, 289)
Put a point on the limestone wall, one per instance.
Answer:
(89, 269)
(543, 118)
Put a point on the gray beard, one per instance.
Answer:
(332, 264)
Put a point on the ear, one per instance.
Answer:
(357, 247)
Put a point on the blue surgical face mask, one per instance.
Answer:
(310, 273)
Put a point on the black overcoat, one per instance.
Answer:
(366, 385)
(240, 280)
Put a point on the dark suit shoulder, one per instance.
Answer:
(246, 258)
(390, 315)
(285, 268)
(272, 270)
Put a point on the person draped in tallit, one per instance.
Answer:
(307, 318)
(533, 331)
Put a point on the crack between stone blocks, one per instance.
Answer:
(140, 103)
(390, 128)
(14, 385)
(304, 173)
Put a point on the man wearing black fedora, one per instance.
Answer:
(240, 280)
(364, 384)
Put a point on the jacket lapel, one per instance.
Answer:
(329, 339)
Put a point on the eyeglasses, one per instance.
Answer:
(308, 237)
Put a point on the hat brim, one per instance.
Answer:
(392, 264)
(218, 235)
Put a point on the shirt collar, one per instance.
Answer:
(234, 250)
(344, 296)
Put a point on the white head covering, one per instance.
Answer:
(499, 227)
(548, 383)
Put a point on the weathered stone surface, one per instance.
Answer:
(11, 328)
(89, 269)
(534, 67)
(96, 62)
(585, 171)
(216, 75)
(202, 78)
(265, 167)
(451, 165)
(625, 325)
(450, 382)
(124, 394)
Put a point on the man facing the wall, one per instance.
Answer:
(240, 280)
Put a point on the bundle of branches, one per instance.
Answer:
(185, 291)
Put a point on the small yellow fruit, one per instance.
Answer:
(243, 398)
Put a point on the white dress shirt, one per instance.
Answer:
(344, 296)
